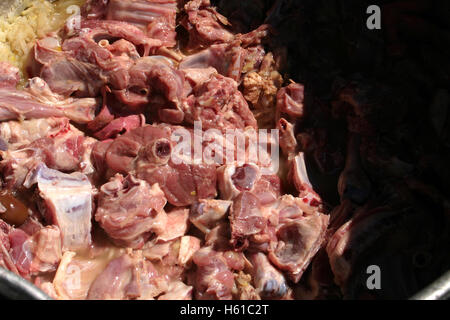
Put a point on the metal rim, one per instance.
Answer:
(438, 290)
(15, 287)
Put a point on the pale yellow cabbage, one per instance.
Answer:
(22, 22)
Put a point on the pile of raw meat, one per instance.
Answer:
(95, 205)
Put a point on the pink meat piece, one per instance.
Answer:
(151, 282)
(122, 153)
(120, 125)
(218, 104)
(94, 66)
(155, 17)
(121, 270)
(146, 282)
(147, 151)
(173, 257)
(246, 219)
(219, 237)
(20, 251)
(289, 230)
(78, 110)
(289, 208)
(207, 213)
(57, 144)
(107, 29)
(61, 152)
(135, 99)
(89, 60)
(156, 251)
(293, 233)
(176, 225)
(268, 281)
(227, 59)
(94, 47)
(47, 249)
(5, 229)
(298, 240)
(122, 48)
(242, 179)
(76, 272)
(233, 180)
(67, 76)
(105, 126)
(103, 118)
(31, 225)
(255, 37)
(5, 245)
(43, 52)
(66, 203)
(9, 75)
(36, 254)
(271, 214)
(149, 76)
(189, 245)
(214, 279)
(98, 157)
(17, 134)
(113, 60)
(290, 100)
(134, 278)
(288, 141)
(30, 104)
(205, 25)
(129, 210)
(80, 61)
(195, 77)
(268, 188)
(299, 176)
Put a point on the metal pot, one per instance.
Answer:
(15, 287)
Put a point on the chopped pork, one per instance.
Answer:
(111, 207)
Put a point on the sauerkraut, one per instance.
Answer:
(24, 21)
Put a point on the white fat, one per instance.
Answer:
(68, 197)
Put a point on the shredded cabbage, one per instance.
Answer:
(26, 21)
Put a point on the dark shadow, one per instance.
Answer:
(398, 81)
